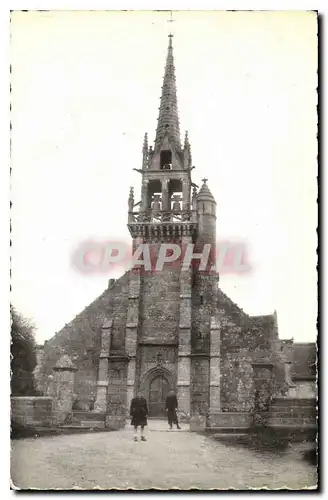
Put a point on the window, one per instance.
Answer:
(166, 160)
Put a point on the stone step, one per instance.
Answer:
(285, 401)
(78, 428)
(281, 405)
(280, 413)
(92, 425)
(232, 437)
(293, 427)
(88, 416)
(293, 408)
(88, 423)
(227, 430)
(295, 433)
(290, 421)
(55, 431)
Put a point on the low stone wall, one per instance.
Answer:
(303, 389)
(32, 411)
(197, 423)
(293, 412)
(115, 422)
(229, 420)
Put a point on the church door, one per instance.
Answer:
(158, 391)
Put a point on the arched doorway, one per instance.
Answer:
(155, 385)
(158, 391)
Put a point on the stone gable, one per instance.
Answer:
(80, 340)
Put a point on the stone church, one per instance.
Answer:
(174, 328)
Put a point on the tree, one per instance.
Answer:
(23, 355)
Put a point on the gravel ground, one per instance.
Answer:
(169, 459)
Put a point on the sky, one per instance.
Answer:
(86, 87)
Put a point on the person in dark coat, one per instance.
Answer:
(171, 405)
(139, 413)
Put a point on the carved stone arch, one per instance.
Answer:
(157, 371)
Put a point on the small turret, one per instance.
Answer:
(206, 203)
(206, 214)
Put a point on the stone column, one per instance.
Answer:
(165, 196)
(63, 389)
(291, 386)
(263, 391)
(185, 194)
(131, 332)
(288, 373)
(102, 382)
(37, 370)
(144, 195)
(184, 350)
(215, 343)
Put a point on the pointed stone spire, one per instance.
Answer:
(145, 152)
(186, 141)
(187, 152)
(168, 120)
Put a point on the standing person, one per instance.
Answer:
(171, 405)
(139, 412)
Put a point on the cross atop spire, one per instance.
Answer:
(204, 180)
(171, 20)
(168, 120)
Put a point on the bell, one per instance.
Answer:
(156, 205)
(176, 204)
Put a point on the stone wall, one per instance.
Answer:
(200, 373)
(160, 303)
(119, 309)
(204, 299)
(36, 374)
(243, 340)
(33, 411)
(237, 389)
(303, 389)
(117, 375)
(229, 420)
(152, 356)
(158, 329)
(63, 389)
(80, 339)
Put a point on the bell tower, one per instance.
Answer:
(158, 337)
(165, 206)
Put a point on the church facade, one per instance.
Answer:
(172, 328)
